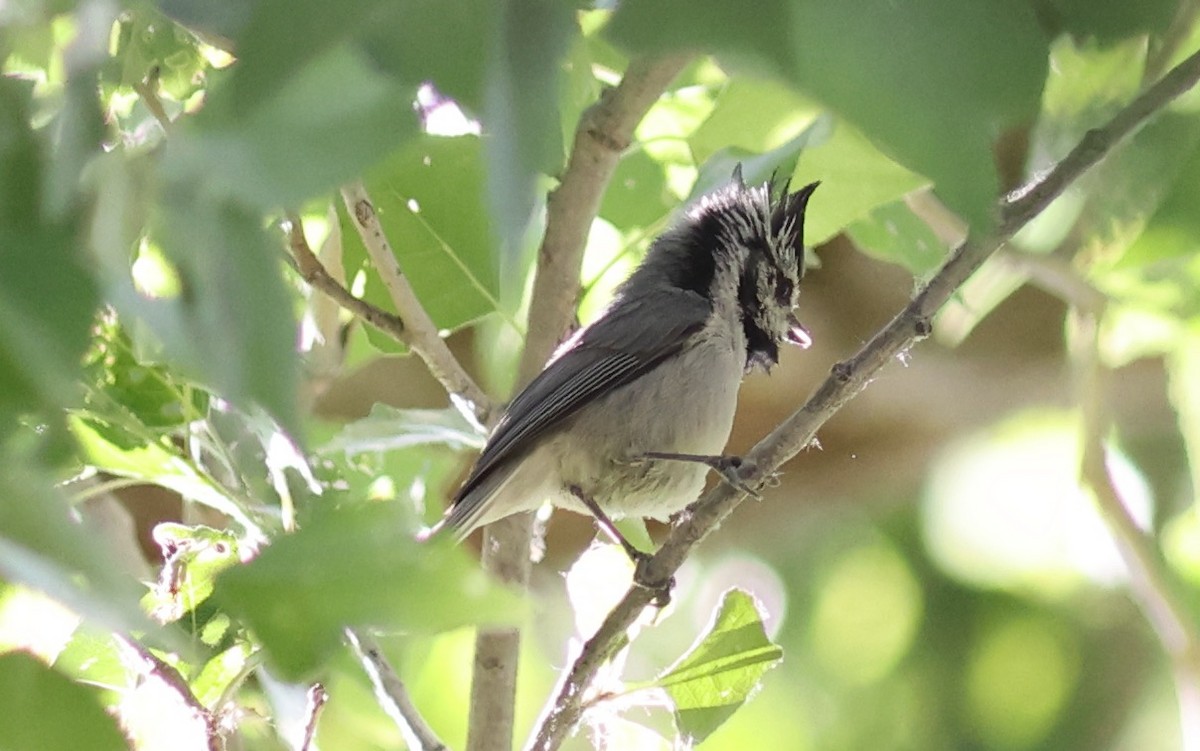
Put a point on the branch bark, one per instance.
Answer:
(313, 272)
(847, 379)
(605, 130)
(420, 333)
(392, 694)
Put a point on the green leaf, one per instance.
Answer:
(117, 450)
(638, 194)
(231, 328)
(193, 558)
(1108, 20)
(356, 567)
(281, 37)
(760, 39)
(325, 124)
(388, 428)
(893, 233)
(150, 393)
(435, 41)
(430, 200)
(1140, 201)
(779, 115)
(40, 263)
(521, 110)
(92, 656)
(920, 79)
(721, 671)
(758, 168)
(42, 546)
(221, 672)
(149, 45)
(856, 178)
(55, 713)
(931, 82)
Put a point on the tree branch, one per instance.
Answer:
(392, 694)
(317, 696)
(1154, 588)
(313, 272)
(604, 133)
(847, 379)
(421, 335)
(605, 130)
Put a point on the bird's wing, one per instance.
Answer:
(630, 340)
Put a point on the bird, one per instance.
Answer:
(632, 411)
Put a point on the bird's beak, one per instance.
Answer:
(797, 334)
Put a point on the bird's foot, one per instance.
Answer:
(729, 468)
(640, 559)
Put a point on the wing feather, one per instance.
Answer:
(630, 340)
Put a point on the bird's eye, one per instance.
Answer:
(783, 290)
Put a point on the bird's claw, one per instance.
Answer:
(641, 577)
(730, 469)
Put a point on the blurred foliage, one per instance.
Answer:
(153, 337)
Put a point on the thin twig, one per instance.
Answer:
(847, 379)
(421, 335)
(317, 696)
(153, 665)
(148, 90)
(315, 274)
(604, 132)
(1155, 589)
(392, 694)
(1180, 30)
(1055, 276)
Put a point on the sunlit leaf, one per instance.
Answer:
(856, 179)
(92, 656)
(1108, 20)
(775, 164)
(150, 393)
(151, 47)
(220, 672)
(638, 194)
(722, 670)
(779, 114)
(115, 449)
(193, 556)
(388, 428)
(430, 200)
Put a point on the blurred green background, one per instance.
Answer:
(935, 571)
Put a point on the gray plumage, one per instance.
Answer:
(658, 371)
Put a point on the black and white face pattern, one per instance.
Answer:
(765, 225)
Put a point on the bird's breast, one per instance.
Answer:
(685, 405)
